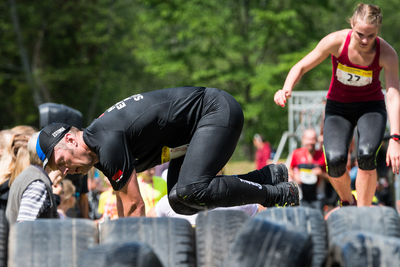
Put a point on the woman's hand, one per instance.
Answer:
(281, 96)
(393, 155)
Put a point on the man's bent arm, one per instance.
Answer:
(129, 200)
(83, 205)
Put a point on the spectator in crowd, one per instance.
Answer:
(95, 187)
(14, 160)
(108, 203)
(263, 151)
(161, 168)
(67, 197)
(152, 188)
(31, 193)
(5, 141)
(383, 193)
(24, 129)
(307, 168)
(81, 207)
(6, 137)
(56, 178)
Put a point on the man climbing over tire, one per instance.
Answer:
(195, 128)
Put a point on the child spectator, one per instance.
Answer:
(108, 203)
(152, 188)
(67, 198)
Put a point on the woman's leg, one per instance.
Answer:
(338, 133)
(342, 187)
(371, 128)
(366, 187)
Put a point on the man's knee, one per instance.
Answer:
(337, 163)
(176, 202)
(193, 195)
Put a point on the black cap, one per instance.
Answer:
(48, 138)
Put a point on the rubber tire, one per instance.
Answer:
(3, 238)
(172, 239)
(50, 242)
(363, 249)
(265, 243)
(304, 219)
(134, 254)
(377, 220)
(215, 233)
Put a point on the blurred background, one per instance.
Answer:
(89, 55)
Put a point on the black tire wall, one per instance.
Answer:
(50, 242)
(215, 232)
(363, 249)
(306, 220)
(3, 238)
(172, 239)
(377, 220)
(262, 243)
(130, 254)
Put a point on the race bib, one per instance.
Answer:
(353, 76)
(307, 177)
(172, 153)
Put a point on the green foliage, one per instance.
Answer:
(91, 54)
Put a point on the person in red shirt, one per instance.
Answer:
(263, 152)
(355, 98)
(307, 169)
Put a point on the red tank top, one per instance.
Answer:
(354, 83)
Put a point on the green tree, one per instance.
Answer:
(90, 54)
(79, 54)
(243, 47)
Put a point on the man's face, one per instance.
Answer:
(309, 140)
(70, 161)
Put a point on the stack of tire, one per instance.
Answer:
(281, 237)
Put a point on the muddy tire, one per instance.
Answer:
(307, 220)
(171, 239)
(265, 243)
(363, 249)
(376, 220)
(3, 238)
(120, 254)
(215, 232)
(50, 242)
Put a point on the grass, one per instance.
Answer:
(239, 167)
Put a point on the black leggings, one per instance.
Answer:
(339, 124)
(192, 181)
